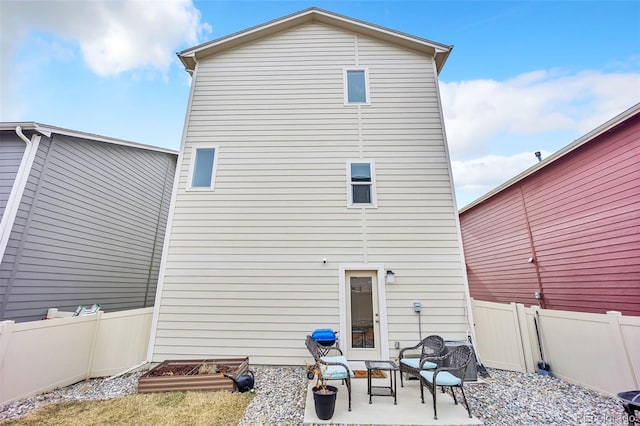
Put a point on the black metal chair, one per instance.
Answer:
(332, 367)
(451, 374)
(431, 346)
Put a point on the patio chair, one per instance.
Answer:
(333, 367)
(450, 375)
(432, 346)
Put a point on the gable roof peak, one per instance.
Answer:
(439, 51)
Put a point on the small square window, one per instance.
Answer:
(361, 183)
(203, 168)
(356, 86)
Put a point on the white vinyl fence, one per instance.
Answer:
(39, 356)
(598, 351)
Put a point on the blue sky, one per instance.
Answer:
(522, 77)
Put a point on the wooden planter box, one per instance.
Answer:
(200, 375)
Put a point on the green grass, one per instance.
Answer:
(172, 408)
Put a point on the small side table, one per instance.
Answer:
(390, 390)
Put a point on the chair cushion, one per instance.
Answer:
(444, 378)
(415, 363)
(335, 372)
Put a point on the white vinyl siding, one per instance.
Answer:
(244, 271)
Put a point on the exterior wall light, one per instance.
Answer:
(390, 277)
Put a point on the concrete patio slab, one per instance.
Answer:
(409, 411)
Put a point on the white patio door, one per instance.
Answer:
(363, 316)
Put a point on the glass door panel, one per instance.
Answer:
(363, 327)
(361, 312)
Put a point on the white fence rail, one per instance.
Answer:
(42, 355)
(598, 351)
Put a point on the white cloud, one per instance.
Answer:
(113, 35)
(482, 174)
(480, 114)
(476, 111)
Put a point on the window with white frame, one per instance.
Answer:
(356, 86)
(361, 184)
(203, 166)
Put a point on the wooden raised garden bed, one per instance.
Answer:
(201, 375)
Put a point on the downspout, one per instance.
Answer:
(13, 203)
(169, 228)
(19, 184)
(471, 331)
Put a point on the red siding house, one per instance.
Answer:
(567, 230)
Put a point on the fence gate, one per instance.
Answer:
(499, 337)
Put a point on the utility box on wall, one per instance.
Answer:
(472, 371)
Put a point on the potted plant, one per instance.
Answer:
(324, 396)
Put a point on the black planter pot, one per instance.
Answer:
(325, 403)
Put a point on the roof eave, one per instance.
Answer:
(189, 62)
(440, 52)
(24, 125)
(441, 57)
(47, 130)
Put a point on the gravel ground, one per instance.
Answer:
(510, 398)
(506, 398)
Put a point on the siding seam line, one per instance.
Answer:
(365, 243)
(155, 239)
(356, 51)
(532, 246)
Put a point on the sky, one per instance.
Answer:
(523, 76)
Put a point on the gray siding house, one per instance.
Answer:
(83, 219)
(313, 191)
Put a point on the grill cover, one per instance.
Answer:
(324, 335)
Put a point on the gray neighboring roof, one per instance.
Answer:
(190, 57)
(620, 118)
(47, 130)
